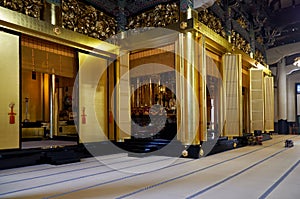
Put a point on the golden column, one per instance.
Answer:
(189, 88)
(123, 110)
(191, 85)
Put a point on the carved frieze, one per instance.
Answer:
(213, 22)
(239, 42)
(243, 23)
(87, 20)
(258, 56)
(31, 8)
(162, 15)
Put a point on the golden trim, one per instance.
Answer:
(210, 34)
(28, 25)
(203, 96)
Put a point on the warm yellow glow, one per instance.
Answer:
(92, 98)
(189, 13)
(260, 66)
(33, 27)
(9, 87)
(53, 19)
(297, 62)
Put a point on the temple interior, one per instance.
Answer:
(163, 83)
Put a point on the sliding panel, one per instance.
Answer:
(233, 87)
(202, 87)
(122, 112)
(269, 104)
(93, 120)
(256, 100)
(10, 91)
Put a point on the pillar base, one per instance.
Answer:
(193, 152)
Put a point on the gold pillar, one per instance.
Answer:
(45, 101)
(201, 54)
(123, 111)
(188, 89)
(52, 105)
(111, 102)
(52, 13)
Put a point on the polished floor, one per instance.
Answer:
(267, 171)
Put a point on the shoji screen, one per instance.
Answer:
(232, 79)
(256, 100)
(10, 90)
(269, 104)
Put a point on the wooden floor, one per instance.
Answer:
(267, 171)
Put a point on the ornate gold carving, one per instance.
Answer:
(242, 23)
(260, 40)
(160, 16)
(40, 29)
(240, 43)
(87, 20)
(29, 7)
(258, 56)
(57, 30)
(212, 22)
(209, 33)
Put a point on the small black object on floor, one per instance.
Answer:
(289, 143)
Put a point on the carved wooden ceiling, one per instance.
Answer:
(277, 20)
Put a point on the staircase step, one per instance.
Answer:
(58, 157)
(143, 147)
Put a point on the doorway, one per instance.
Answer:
(153, 94)
(153, 106)
(47, 77)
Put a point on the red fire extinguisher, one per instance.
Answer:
(11, 113)
(83, 116)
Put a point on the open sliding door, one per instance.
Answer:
(92, 113)
(10, 91)
(256, 100)
(122, 92)
(269, 104)
(232, 70)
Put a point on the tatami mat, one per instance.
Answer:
(267, 171)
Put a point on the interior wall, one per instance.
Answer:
(31, 89)
(166, 59)
(154, 62)
(292, 79)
